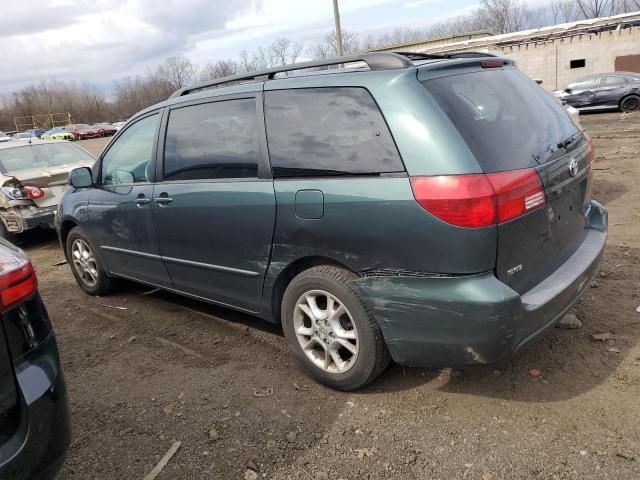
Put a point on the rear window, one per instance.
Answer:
(612, 81)
(328, 131)
(507, 120)
(41, 156)
(17, 158)
(60, 154)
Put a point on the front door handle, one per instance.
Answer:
(142, 200)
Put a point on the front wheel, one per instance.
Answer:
(330, 330)
(630, 103)
(86, 267)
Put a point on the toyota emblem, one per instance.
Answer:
(573, 167)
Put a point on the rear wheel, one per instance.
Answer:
(330, 330)
(86, 267)
(630, 103)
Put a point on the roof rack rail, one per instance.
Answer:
(375, 61)
(444, 55)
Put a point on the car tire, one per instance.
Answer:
(85, 265)
(307, 323)
(630, 103)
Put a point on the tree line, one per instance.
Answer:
(130, 94)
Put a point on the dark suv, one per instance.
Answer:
(434, 210)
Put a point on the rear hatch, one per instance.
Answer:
(511, 124)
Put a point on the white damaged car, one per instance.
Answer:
(33, 176)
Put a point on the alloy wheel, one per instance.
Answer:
(326, 331)
(84, 262)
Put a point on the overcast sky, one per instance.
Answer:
(101, 40)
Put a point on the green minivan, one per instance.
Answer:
(433, 210)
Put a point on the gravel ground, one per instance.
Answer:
(162, 369)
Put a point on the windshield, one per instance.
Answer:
(507, 120)
(41, 156)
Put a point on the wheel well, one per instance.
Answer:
(65, 228)
(628, 96)
(289, 273)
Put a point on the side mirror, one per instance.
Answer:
(80, 177)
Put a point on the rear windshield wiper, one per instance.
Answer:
(569, 140)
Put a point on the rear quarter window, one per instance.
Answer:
(328, 131)
(507, 120)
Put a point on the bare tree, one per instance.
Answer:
(564, 11)
(219, 69)
(350, 42)
(177, 71)
(503, 16)
(283, 51)
(593, 8)
(319, 50)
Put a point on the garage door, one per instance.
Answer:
(628, 63)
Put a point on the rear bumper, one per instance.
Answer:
(20, 218)
(37, 449)
(456, 321)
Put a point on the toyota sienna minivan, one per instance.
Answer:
(433, 210)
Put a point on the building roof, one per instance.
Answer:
(580, 27)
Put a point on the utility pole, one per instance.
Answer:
(336, 15)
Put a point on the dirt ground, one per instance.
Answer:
(147, 368)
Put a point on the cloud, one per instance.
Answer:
(102, 40)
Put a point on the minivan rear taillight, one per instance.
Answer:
(480, 200)
(17, 281)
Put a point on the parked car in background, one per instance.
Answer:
(31, 133)
(36, 132)
(23, 136)
(4, 137)
(105, 129)
(617, 90)
(420, 209)
(83, 131)
(58, 133)
(118, 125)
(33, 177)
(35, 428)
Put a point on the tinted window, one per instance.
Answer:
(212, 140)
(328, 131)
(612, 81)
(507, 120)
(586, 84)
(129, 160)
